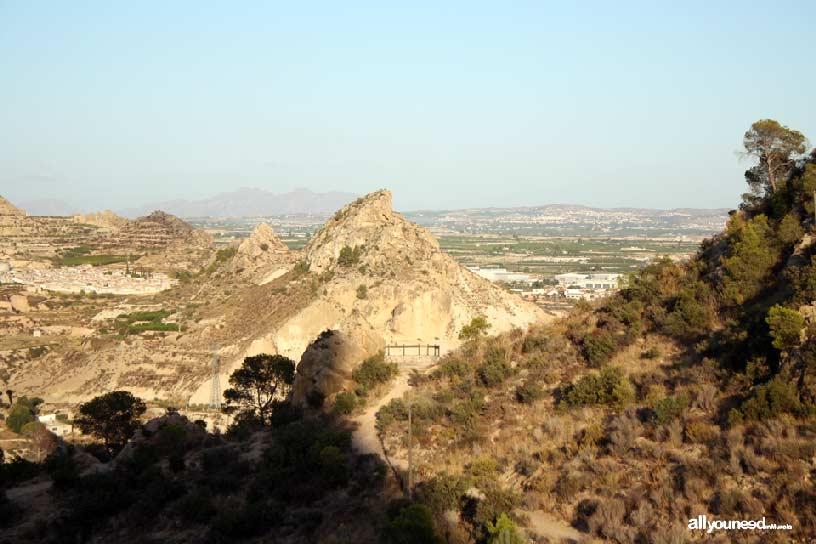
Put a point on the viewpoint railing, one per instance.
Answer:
(412, 350)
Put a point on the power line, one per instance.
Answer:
(215, 387)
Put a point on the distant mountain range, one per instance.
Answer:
(247, 202)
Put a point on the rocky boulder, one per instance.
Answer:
(328, 362)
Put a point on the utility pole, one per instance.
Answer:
(410, 449)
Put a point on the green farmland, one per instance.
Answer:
(549, 256)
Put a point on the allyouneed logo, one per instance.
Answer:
(702, 523)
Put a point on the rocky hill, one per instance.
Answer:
(7, 208)
(155, 231)
(379, 280)
(165, 241)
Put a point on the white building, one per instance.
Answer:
(575, 294)
(602, 281)
(56, 426)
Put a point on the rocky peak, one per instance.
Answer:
(7, 208)
(262, 241)
(369, 227)
(165, 221)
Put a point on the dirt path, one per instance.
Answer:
(365, 438)
(546, 525)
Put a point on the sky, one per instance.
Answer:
(448, 104)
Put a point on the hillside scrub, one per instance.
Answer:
(698, 374)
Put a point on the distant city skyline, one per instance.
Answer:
(451, 106)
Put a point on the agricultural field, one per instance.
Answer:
(548, 256)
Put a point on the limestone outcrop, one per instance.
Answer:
(262, 256)
(328, 362)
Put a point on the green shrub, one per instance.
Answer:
(670, 408)
(333, 466)
(789, 230)
(528, 393)
(610, 386)
(391, 412)
(349, 256)
(493, 372)
(413, 524)
(483, 469)
(477, 328)
(453, 367)
(786, 327)
(19, 416)
(599, 347)
(344, 403)
(362, 291)
(443, 492)
(504, 531)
(496, 502)
(777, 397)
(374, 371)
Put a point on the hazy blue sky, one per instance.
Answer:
(449, 104)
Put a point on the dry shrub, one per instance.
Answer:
(700, 432)
(624, 429)
(673, 433)
(588, 437)
(605, 517)
(569, 484)
(706, 398)
(643, 515)
(676, 534)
